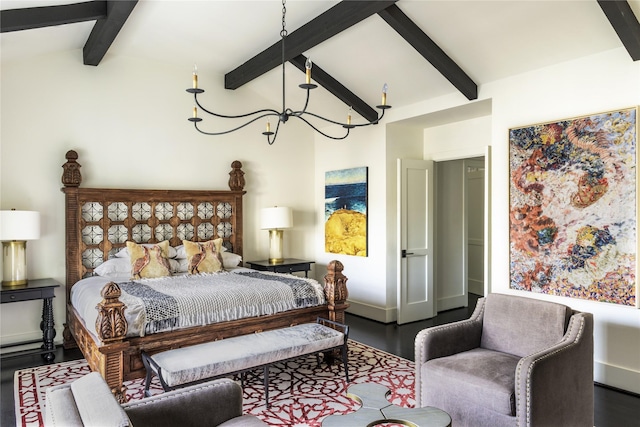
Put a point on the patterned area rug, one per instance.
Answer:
(301, 393)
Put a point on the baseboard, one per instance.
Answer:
(616, 377)
(379, 314)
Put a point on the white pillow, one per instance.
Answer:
(114, 267)
(118, 267)
(229, 260)
(124, 252)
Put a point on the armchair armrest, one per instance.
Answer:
(555, 386)
(452, 338)
(210, 403)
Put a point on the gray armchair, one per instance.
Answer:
(89, 402)
(516, 362)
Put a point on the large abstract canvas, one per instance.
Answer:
(572, 219)
(345, 212)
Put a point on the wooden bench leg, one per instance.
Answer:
(345, 361)
(266, 384)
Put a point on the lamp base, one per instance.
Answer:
(275, 247)
(14, 263)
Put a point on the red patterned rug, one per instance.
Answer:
(301, 393)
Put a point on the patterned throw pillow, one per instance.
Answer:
(204, 257)
(149, 262)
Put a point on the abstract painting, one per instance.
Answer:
(572, 202)
(345, 212)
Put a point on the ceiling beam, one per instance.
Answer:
(625, 23)
(429, 50)
(337, 89)
(48, 16)
(106, 30)
(340, 17)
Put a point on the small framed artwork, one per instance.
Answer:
(345, 211)
(573, 207)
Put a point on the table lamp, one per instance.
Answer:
(276, 219)
(16, 227)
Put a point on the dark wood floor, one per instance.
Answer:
(612, 407)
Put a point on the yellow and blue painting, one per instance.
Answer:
(345, 211)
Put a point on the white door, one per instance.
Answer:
(416, 300)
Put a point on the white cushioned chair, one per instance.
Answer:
(89, 402)
(516, 362)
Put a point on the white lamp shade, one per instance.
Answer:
(276, 218)
(19, 225)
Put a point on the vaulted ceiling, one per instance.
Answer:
(421, 48)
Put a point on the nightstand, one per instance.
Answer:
(34, 290)
(289, 265)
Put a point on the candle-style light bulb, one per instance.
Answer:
(308, 64)
(195, 77)
(349, 116)
(195, 112)
(385, 88)
(268, 126)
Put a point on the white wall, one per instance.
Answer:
(127, 119)
(365, 147)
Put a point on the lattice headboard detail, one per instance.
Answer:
(99, 221)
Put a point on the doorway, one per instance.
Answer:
(459, 231)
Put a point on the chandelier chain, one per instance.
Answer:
(284, 33)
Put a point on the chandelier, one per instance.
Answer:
(286, 113)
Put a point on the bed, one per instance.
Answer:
(100, 222)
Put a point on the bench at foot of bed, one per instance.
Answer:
(188, 365)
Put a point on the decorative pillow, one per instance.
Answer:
(229, 260)
(204, 257)
(149, 262)
(114, 267)
(181, 252)
(124, 252)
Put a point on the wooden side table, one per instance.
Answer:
(34, 290)
(289, 265)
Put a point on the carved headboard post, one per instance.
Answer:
(71, 179)
(335, 287)
(237, 183)
(236, 176)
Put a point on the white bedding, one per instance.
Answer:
(242, 296)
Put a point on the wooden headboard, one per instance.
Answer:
(99, 221)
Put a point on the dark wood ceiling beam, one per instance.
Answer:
(625, 23)
(337, 89)
(106, 30)
(340, 17)
(429, 50)
(47, 16)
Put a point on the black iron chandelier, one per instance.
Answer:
(286, 113)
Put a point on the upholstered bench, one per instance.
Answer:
(237, 355)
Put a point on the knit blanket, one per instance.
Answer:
(176, 302)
